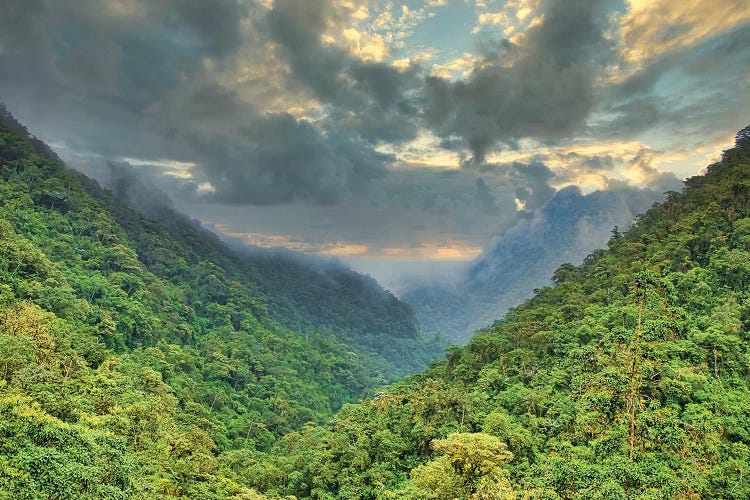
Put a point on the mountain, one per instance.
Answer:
(301, 292)
(564, 230)
(133, 366)
(628, 377)
(140, 356)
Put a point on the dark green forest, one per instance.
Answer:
(302, 293)
(629, 378)
(142, 358)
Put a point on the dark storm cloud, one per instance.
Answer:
(94, 69)
(534, 189)
(284, 160)
(254, 158)
(367, 97)
(140, 83)
(133, 54)
(529, 182)
(541, 88)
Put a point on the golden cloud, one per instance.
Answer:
(265, 240)
(458, 67)
(455, 251)
(492, 19)
(651, 28)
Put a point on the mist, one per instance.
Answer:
(566, 229)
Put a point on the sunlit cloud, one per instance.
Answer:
(459, 67)
(417, 58)
(651, 28)
(264, 240)
(173, 168)
(432, 252)
(436, 251)
(499, 19)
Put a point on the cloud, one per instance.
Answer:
(367, 97)
(90, 71)
(565, 229)
(252, 158)
(149, 87)
(142, 45)
(698, 90)
(641, 172)
(412, 209)
(493, 19)
(542, 87)
(534, 189)
(459, 67)
(318, 119)
(651, 28)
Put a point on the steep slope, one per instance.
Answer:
(303, 293)
(629, 378)
(131, 363)
(564, 230)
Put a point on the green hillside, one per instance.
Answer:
(144, 360)
(139, 360)
(303, 293)
(629, 378)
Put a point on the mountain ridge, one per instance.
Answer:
(134, 365)
(626, 378)
(564, 230)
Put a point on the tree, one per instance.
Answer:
(469, 466)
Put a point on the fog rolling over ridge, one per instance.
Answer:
(307, 294)
(565, 230)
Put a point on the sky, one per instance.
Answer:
(386, 133)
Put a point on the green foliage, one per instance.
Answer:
(40, 454)
(137, 359)
(134, 363)
(629, 378)
(301, 293)
(468, 466)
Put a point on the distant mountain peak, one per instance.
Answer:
(742, 139)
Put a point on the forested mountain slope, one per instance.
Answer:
(303, 293)
(629, 378)
(565, 229)
(133, 364)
